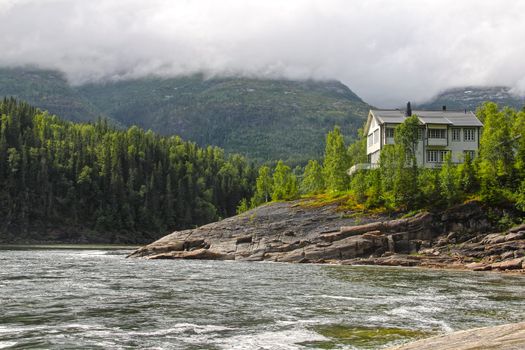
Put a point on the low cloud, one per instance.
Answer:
(388, 52)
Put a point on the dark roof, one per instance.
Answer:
(454, 118)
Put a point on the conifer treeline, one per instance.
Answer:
(54, 172)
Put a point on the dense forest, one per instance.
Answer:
(496, 176)
(59, 174)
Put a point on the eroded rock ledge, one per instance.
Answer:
(505, 337)
(461, 237)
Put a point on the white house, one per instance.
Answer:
(441, 132)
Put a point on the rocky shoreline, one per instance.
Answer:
(504, 337)
(304, 232)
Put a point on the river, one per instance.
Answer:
(94, 298)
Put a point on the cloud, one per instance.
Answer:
(386, 51)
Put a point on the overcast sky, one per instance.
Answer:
(387, 52)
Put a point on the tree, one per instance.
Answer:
(496, 155)
(406, 137)
(263, 187)
(336, 162)
(313, 181)
(284, 182)
(448, 181)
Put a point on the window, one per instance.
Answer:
(420, 134)
(390, 132)
(436, 156)
(370, 140)
(437, 133)
(471, 154)
(456, 134)
(376, 136)
(432, 156)
(469, 134)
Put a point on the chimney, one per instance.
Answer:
(444, 108)
(408, 111)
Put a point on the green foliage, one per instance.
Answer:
(406, 135)
(313, 181)
(336, 162)
(263, 187)
(243, 206)
(496, 154)
(284, 182)
(60, 174)
(449, 181)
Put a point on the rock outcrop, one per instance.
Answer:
(505, 337)
(303, 233)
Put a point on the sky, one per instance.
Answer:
(388, 52)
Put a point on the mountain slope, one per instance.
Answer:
(264, 119)
(471, 97)
(48, 90)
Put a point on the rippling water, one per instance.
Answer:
(97, 299)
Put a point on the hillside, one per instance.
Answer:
(263, 119)
(47, 90)
(471, 97)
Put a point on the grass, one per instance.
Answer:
(344, 201)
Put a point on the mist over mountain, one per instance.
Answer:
(386, 51)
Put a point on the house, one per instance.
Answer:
(440, 132)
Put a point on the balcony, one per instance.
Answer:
(437, 142)
(361, 166)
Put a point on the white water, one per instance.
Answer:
(98, 299)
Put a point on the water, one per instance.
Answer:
(72, 299)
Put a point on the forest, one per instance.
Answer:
(496, 175)
(94, 177)
(134, 185)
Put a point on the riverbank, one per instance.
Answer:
(504, 337)
(300, 232)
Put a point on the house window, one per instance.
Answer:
(469, 134)
(471, 154)
(436, 156)
(456, 134)
(432, 156)
(370, 140)
(376, 136)
(437, 133)
(420, 134)
(390, 132)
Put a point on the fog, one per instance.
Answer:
(387, 52)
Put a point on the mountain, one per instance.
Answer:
(471, 97)
(263, 119)
(48, 90)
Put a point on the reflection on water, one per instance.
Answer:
(97, 299)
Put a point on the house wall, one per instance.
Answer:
(376, 144)
(457, 148)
